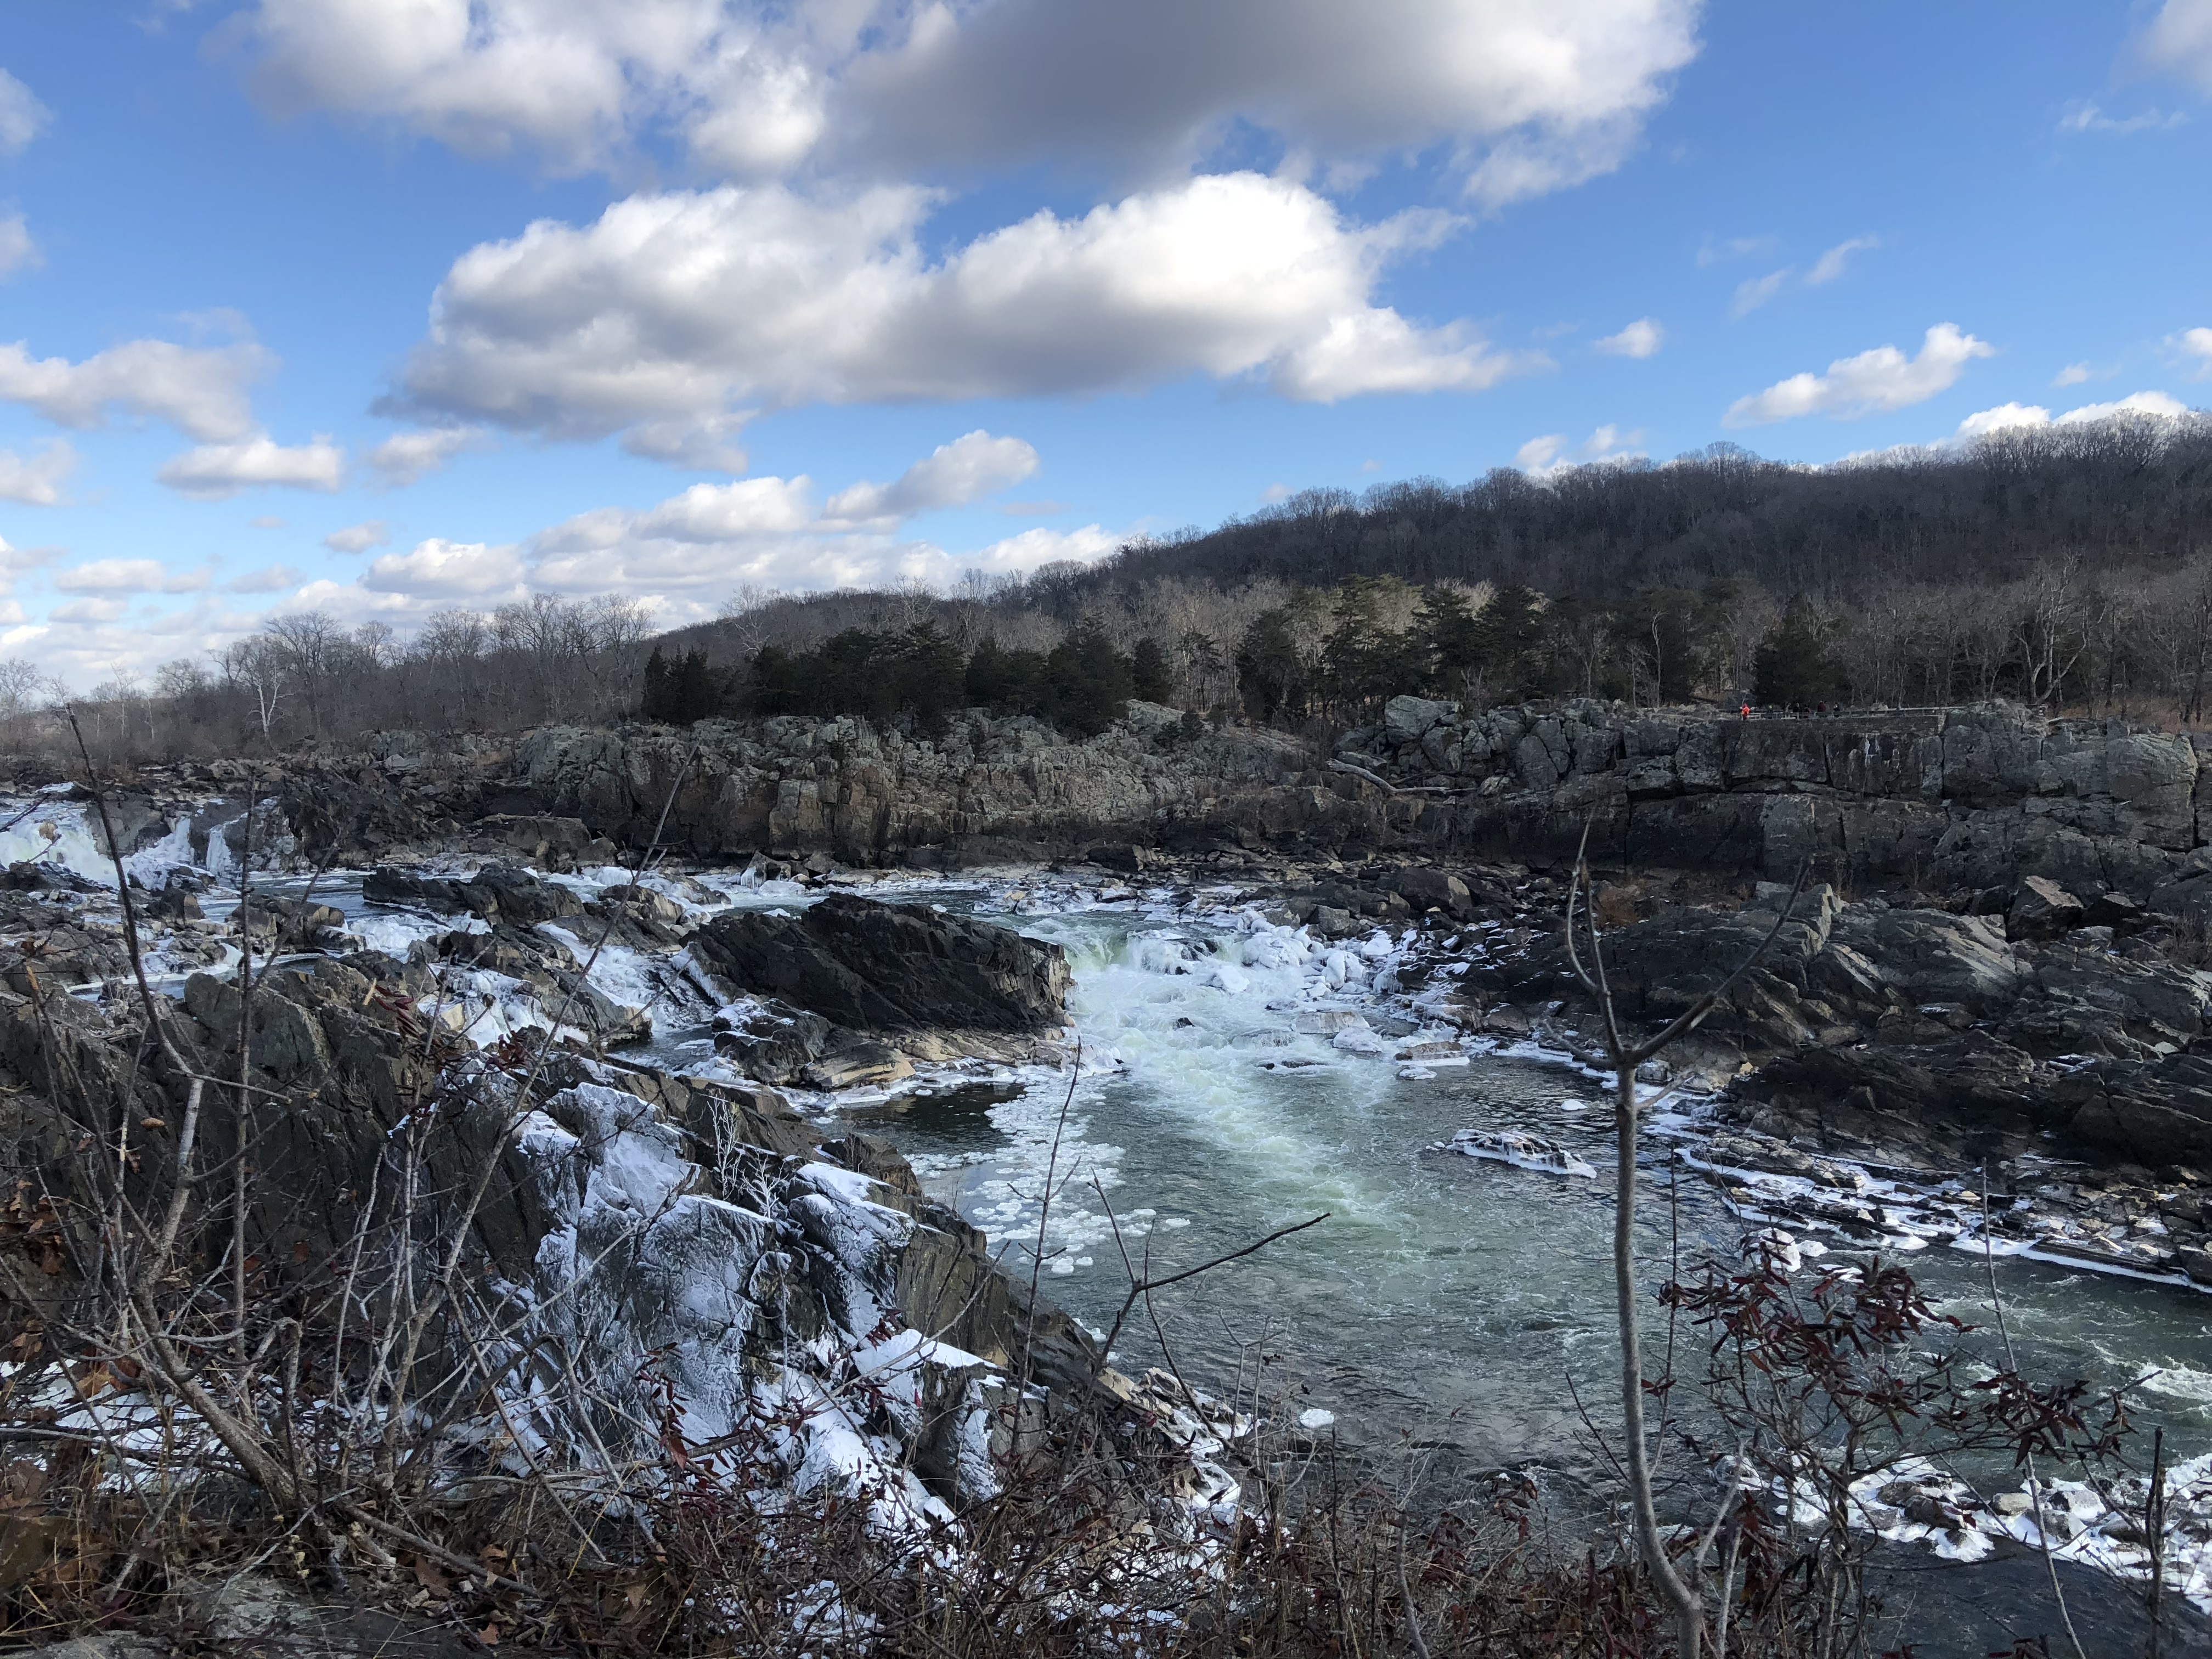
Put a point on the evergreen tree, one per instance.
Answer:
(1086, 681)
(1449, 640)
(693, 694)
(1270, 672)
(1508, 640)
(654, 704)
(1149, 678)
(1792, 664)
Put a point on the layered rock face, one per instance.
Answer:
(1960, 800)
(1959, 797)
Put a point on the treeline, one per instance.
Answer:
(919, 675)
(2069, 567)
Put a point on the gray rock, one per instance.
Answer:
(883, 968)
(2041, 909)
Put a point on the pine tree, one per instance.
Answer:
(1149, 678)
(1793, 665)
(654, 703)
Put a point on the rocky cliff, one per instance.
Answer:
(1954, 799)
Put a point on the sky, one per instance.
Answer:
(383, 306)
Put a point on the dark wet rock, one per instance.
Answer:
(2043, 909)
(497, 892)
(286, 925)
(34, 876)
(770, 1041)
(551, 843)
(886, 967)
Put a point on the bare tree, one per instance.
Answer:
(1680, 1587)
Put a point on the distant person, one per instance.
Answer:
(1744, 713)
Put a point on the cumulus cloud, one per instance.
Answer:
(701, 443)
(446, 571)
(2195, 345)
(1524, 94)
(270, 579)
(200, 390)
(36, 480)
(18, 252)
(1552, 453)
(1831, 264)
(406, 457)
(2011, 416)
(1755, 291)
(966, 470)
(2177, 41)
(675, 308)
(214, 471)
(1876, 381)
(1641, 338)
(357, 538)
(22, 116)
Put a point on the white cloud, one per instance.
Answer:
(2178, 42)
(358, 537)
(22, 116)
(36, 480)
(113, 576)
(89, 610)
(214, 471)
(2085, 116)
(1754, 292)
(1874, 381)
(1523, 95)
(405, 457)
(268, 521)
(1641, 338)
(1831, 265)
(18, 250)
(700, 443)
(966, 470)
(674, 307)
(2195, 343)
(1030, 550)
(200, 390)
(1552, 453)
(2010, 417)
(2079, 373)
(444, 570)
(272, 579)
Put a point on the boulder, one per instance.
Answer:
(2041, 909)
(1427, 888)
(1406, 720)
(889, 967)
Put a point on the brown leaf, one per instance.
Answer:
(430, 1576)
(300, 1250)
(488, 1636)
(93, 1381)
(153, 1124)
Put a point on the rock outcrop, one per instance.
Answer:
(1916, 1028)
(889, 967)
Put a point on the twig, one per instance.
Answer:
(2035, 1486)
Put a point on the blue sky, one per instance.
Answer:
(384, 305)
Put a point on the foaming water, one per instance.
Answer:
(1460, 1303)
